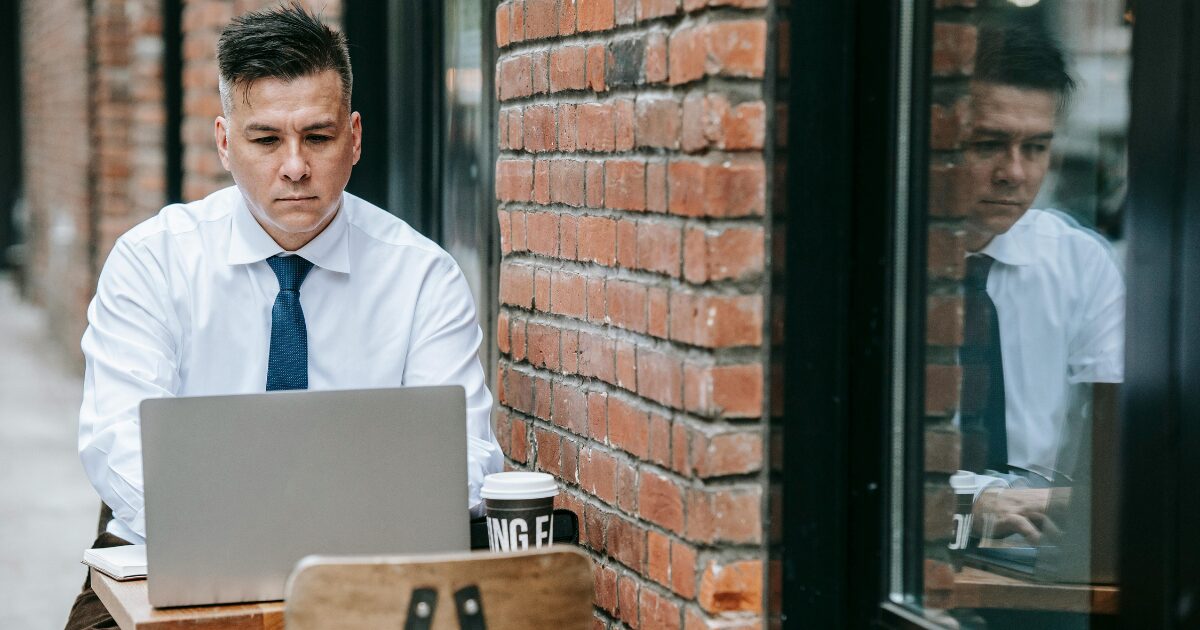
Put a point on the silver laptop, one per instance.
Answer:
(240, 488)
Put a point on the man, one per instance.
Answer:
(284, 281)
(1048, 290)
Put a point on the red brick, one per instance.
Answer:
(594, 183)
(948, 126)
(520, 441)
(694, 120)
(598, 474)
(597, 240)
(567, 294)
(949, 190)
(658, 122)
(505, 225)
(731, 391)
(624, 11)
(519, 345)
(627, 488)
(541, 182)
(650, 9)
(502, 339)
(627, 601)
(657, 303)
(503, 24)
(568, 122)
(515, 78)
(734, 586)
(570, 351)
(656, 186)
(626, 542)
(717, 321)
(541, 18)
(596, 15)
(516, 285)
(570, 461)
(683, 569)
(570, 408)
(540, 133)
(658, 247)
(623, 119)
(628, 427)
(598, 416)
(686, 55)
(738, 47)
(737, 515)
(514, 180)
(655, 58)
(726, 453)
(566, 182)
(543, 345)
(953, 49)
(597, 357)
(542, 230)
(744, 127)
(597, 306)
(660, 377)
(595, 524)
(728, 189)
(566, 17)
(627, 243)
(625, 184)
(627, 305)
(658, 558)
(944, 320)
(549, 451)
(627, 366)
(520, 233)
(541, 290)
(734, 253)
(596, 55)
(567, 68)
(659, 612)
(539, 69)
(679, 449)
(947, 253)
(660, 501)
(943, 384)
(595, 127)
(604, 581)
(518, 21)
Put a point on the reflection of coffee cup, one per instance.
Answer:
(963, 483)
(520, 510)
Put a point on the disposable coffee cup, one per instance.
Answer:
(963, 482)
(520, 510)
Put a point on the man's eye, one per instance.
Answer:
(318, 139)
(265, 140)
(987, 145)
(1037, 148)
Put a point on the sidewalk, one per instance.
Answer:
(47, 508)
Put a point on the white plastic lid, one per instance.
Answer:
(963, 481)
(518, 485)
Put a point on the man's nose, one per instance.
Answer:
(295, 165)
(1011, 168)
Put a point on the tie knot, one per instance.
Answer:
(978, 267)
(290, 271)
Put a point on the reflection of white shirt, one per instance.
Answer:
(1060, 301)
(183, 308)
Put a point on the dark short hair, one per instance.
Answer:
(286, 42)
(1022, 56)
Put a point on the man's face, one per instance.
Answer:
(1007, 155)
(290, 146)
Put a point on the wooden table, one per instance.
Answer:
(976, 588)
(130, 607)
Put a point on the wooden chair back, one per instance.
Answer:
(545, 588)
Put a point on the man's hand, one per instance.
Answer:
(1001, 512)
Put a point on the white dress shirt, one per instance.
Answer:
(1060, 302)
(183, 307)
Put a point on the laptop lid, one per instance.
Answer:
(239, 488)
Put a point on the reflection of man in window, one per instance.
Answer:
(1045, 288)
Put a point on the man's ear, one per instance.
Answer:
(356, 135)
(221, 133)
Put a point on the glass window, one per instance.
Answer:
(1025, 312)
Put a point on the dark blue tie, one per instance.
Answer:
(287, 365)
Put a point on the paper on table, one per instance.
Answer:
(126, 562)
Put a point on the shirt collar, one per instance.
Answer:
(249, 243)
(1013, 247)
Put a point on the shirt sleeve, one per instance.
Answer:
(1096, 352)
(444, 351)
(130, 355)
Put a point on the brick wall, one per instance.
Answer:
(953, 59)
(55, 104)
(632, 194)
